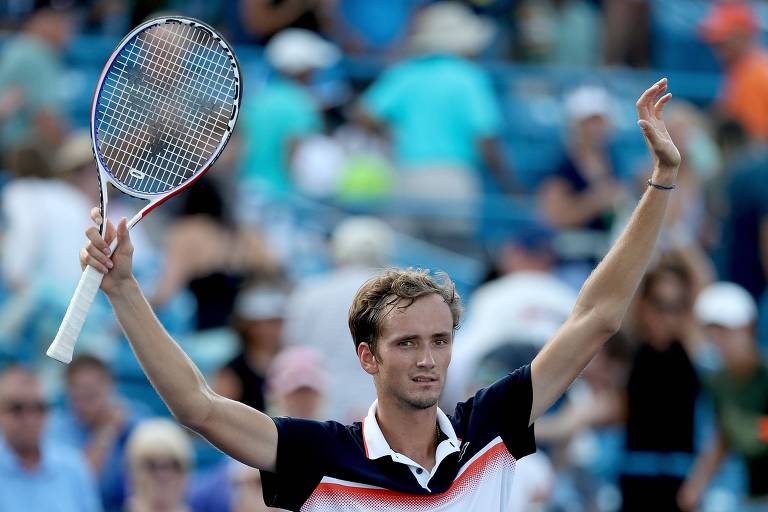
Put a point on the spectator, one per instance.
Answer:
(582, 196)
(584, 434)
(525, 306)
(297, 383)
(261, 20)
(560, 32)
(318, 308)
(209, 254)
(258, 320)
(31, 81)
(46, 209)
(159, 457)
(731, 27)
(739, 390)
(283, 111)
(685, 218)
(362, 27)
(441, 108)
(627, 31)
(96, 423)
(743, 250)
(37, 475)
(660, 418)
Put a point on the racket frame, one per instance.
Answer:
(105, 176)
(63, 344)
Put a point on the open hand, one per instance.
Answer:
(649, 113)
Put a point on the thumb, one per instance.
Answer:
(648, 131)
(123, 238)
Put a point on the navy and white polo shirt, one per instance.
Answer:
(328, 466)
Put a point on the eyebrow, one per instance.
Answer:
(409, 337)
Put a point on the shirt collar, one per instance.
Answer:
(376, 445)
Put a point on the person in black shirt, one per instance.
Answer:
(660, 417)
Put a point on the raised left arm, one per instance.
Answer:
(607, 293)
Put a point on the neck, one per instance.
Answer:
(258, 356)
(144, 505)
(409, 431)
(29, 458)
(744, 369)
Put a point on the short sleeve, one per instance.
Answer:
(382, 100)
(303, 449)
(502, 409)
(483, 107)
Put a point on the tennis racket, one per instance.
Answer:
(163, 110)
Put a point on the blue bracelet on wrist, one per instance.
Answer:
(660, 187)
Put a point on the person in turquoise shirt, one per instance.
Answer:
(31, 74)
(36, 476)
(283, 112)
(439, 106)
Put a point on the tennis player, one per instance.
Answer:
(406, 454)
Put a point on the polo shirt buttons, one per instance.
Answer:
(419, 471)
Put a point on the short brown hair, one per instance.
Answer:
(380, 294)
(87, 361)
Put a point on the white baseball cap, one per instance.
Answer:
(588, 101)
(725, 304)
(296, 50)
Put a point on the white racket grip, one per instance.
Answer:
(63, 345)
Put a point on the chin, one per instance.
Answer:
(421, 401)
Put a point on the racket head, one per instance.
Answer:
(164, 107)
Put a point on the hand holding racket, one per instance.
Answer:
(163, 110)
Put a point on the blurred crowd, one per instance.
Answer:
(401, 134)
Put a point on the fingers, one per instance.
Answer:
(96, 215)
(660, 104)
(645, 102)
(96, 253)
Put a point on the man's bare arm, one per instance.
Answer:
(607, 293)
(240, 431)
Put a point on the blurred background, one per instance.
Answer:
(495, 140)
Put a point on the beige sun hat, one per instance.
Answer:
(451, 27)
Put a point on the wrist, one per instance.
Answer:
(122, 288)
(663, 172)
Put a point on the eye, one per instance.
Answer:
(405, 343)
(441, 341)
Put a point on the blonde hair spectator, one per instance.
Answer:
(159, 456)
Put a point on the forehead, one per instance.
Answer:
(19, 385)
(427, 315)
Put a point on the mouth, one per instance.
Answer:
(424, 380)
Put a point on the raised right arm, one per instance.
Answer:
(240, 431)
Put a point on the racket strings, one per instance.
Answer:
(165, 107)
(163, 60)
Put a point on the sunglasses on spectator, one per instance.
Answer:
(159, 465)
(19, 408)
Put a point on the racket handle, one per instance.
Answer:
(63, 345)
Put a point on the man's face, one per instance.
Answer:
(22, 411)
(414, 352)
(89, 391)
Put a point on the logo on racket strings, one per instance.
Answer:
(135, 173)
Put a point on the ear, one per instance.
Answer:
(368, 361)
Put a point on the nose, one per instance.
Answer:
(426, 359)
